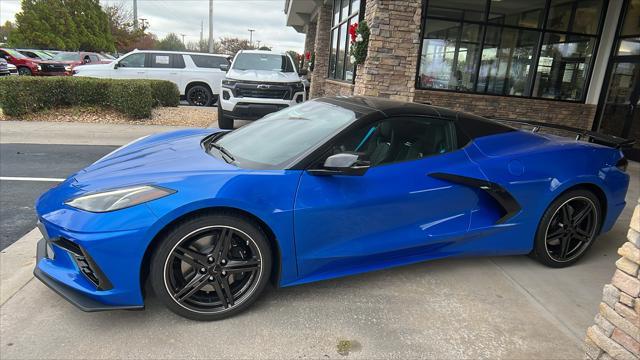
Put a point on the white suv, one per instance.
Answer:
(198, 76)
(258, 83)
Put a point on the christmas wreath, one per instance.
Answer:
(359, 34)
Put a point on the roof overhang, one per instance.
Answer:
(301, 12)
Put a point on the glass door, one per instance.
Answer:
(619, 109)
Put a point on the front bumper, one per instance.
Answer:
(247, 102)
(77, 298)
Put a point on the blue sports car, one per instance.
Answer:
(327, 188)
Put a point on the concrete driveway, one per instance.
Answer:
(508, 307)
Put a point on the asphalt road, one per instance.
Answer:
(17, 198)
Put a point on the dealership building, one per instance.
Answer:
(570, 62)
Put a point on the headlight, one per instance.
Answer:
(68, 68)
(228, 82)
(39, 67)
(119, 198)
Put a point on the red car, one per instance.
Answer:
(80, 58)
(28, 66)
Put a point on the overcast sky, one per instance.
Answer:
(230, 18)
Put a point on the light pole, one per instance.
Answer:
(183, 35)
(135, 14)
(251, 36)
(210, 26)
(258, 41)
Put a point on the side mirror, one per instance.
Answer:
(342, 164)
(224, 67)
(303, 72)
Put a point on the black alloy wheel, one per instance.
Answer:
(199, 95)
(212, 271)
(24, 71)
(568, 229)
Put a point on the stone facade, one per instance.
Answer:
(337, 88)
(309, 43)
(322, 45)
(390, 68)
(559, 112)
(616, 333)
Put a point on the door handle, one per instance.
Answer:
(141, 72)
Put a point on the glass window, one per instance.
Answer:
(506, 61)
(67, 56)
(471, 10)
(631, 24)
(522, 13)
(450, 51)
(161, 60)
(463, 51)
(398, 139)
(206, 61)
(133, 60)
(629, 46)
(280, 138)
(562, 67)
(340, 66)
(262, 61)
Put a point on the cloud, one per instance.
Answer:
(230, 18)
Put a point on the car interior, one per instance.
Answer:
(400, 139)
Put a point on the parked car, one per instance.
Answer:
(13, 70)
(4, 68)
(28, 66)
(259, 83)
(36, 54)
(198, 76)
(208, 217)
(80, 58)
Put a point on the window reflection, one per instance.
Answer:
(450, 52)
(506, 61)
(562, 67)
(558, 35)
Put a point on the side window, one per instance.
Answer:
(211, 62)
(94, 58)
(133, 61)
(399, 139)
(178, 61)
(160, 60)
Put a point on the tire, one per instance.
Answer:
(199, 95)
(24, 71)
(224, 122)
(568, 229)
(193, 282)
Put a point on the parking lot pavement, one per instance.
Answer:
(31, 161)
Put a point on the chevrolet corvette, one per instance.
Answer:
(324, 189)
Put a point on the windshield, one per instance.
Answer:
(256, 61)
(15, 54)
(43, 55)
(278, 139)
(67, 56)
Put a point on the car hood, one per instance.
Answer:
(263, 75)
(152, 160)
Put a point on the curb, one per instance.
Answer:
(16, 265)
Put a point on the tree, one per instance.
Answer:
(263, 47)
(5, 31)
(171, 42)
(123, 31)
(62, 24)
(145, 42)
(231, 46)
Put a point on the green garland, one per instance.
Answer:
(359, 34)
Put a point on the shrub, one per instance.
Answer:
(20, 95)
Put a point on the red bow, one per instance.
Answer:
(353, 31)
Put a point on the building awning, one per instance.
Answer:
(300, 13)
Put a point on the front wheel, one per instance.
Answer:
(224, 122)
(24, 71)
(199, 95)
(567, 229)
(211, 267)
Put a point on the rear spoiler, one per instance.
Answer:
(581, 134)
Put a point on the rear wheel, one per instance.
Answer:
(224, 122)
(25, 71)
(567, 229)
(211, 267)
(199, 95)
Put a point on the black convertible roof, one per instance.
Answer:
(474, 126)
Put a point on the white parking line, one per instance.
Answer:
(9, 178)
